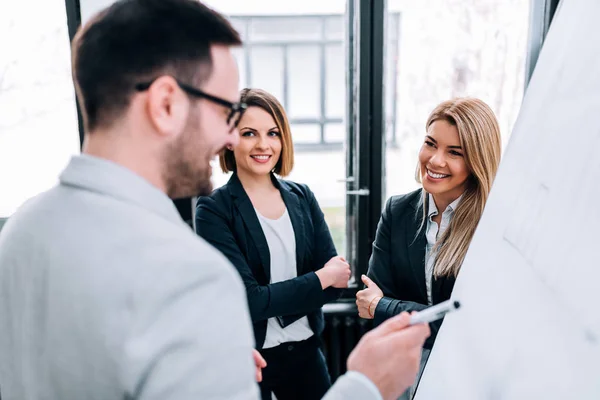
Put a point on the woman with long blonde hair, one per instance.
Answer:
(423, 236)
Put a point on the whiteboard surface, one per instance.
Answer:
(529, 325)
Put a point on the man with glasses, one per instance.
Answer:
(105, 293)
(235, 109)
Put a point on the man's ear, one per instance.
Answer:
(167, 106)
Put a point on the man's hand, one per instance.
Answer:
(260, 363)
(367, 299)
(390, 354)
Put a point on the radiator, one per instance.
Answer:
(343, 330)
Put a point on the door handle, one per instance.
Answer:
(359, 192)
(348, 179)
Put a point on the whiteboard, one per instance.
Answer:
(529, 325)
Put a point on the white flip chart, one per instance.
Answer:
(529, 325)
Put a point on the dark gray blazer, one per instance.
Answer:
(397, 264)
(227, 220)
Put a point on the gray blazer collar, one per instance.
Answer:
(111, 179)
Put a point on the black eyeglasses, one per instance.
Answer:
(235, 109)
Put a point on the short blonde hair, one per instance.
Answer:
(268, 102)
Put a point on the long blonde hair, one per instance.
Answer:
(479, 136)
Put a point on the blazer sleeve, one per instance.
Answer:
(299, 295)
(323, 243)
(380, 271)
(324, 250)
(170, 352)
(388, 307)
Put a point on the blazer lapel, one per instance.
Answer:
(294, 209)
(244, 205)
(416, 246)
(441, 288)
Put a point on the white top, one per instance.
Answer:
(432, 233)
(282, 248)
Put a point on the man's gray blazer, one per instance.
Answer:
(105, 293)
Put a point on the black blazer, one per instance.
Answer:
(227, 220)
(397, 264)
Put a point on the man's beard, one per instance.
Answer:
(185, 177)
(187, 170)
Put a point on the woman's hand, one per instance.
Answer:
(335, 273)
(367, 299)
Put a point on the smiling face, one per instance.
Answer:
(444, 172)
(260, 144)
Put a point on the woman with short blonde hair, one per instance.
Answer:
(274, 233)
(268, 102)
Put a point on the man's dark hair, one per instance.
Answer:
(137, 40)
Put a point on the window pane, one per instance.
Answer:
(267, 70)
(306, 133)
(38, 120)
(240, 57)
(335, 133)
(304, 81)
(240, 25)
(335, 95)
(391, 75)
(334, 27)
(282, 29)
(465, 48)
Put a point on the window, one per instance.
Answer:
(295, 57)
(38, 117)
(445, 49)
(301, 60)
